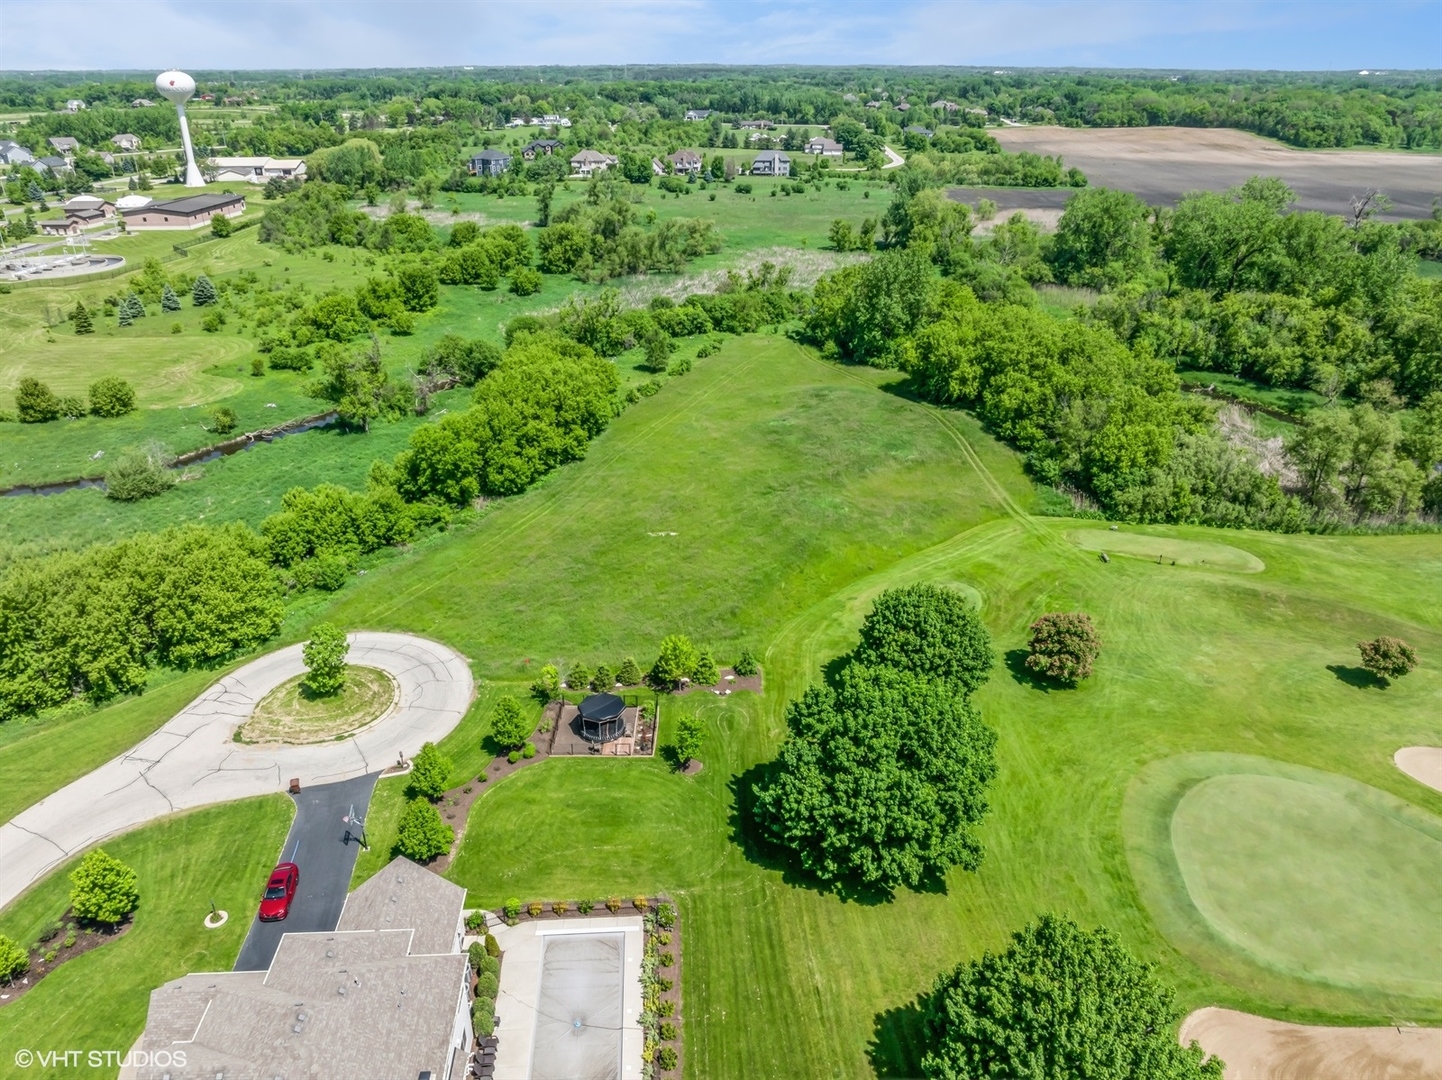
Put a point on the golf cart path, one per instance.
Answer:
(193, 760)
(1256, 1048)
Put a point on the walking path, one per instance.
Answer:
(193, 760)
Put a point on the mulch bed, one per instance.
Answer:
(86, 938)
(736, 683)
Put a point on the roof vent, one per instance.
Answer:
(340, 990)
(330, 954)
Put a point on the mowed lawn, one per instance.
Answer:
(796, 491)
(98, 1001)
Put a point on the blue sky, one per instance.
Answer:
(146, 34)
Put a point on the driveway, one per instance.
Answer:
(322, 845)
(193, 760)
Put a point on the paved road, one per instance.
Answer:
(193, 761)
(321, 844)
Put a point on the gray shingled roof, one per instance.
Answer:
(405, 895)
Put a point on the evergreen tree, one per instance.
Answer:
(168, 300)
(603, 680)
(705, 673)
(203, 292)
(137, 306)
(123, 314)
(630, 672)
(81, 318)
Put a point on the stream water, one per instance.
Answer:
(195, 457)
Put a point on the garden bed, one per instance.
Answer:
(289, 715)
(85, 939)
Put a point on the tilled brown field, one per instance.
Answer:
(1162, 164)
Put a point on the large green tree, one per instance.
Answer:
(1061, 1003)
(930, 631)
(430, 772)
(421, 834)
(1102, 238)
(881, 781)
(324, 656)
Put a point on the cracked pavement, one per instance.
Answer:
(194, 761)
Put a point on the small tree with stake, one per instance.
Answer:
(1387, 658)
(325, 655)
(430, 769)
(688, 739)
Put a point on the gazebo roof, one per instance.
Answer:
(601, 707)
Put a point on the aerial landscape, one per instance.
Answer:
(861, 551)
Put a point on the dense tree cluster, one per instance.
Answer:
(882, 778)
(601, 240)
(90, 623)
(1060, 1002)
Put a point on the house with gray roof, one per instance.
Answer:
(489, 163)
(771, 163)
(12, 153)
(64, 144)
(385, 994)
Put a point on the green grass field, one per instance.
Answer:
(99, 1000)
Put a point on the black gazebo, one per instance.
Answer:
(602, 719)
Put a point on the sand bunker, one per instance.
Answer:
(1255, 1048)
(1168, 549)
(1421, 763)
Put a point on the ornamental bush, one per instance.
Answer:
(511, 726)
(603, 680)
(1387, 658)
(430, 772)
(746, 666)
(547, 686)
(930, 631)
(14, 960)
(705, 673)
(103, 889)
(666, 1058)
(629, 673)
(487, 985)
(422, 834)
(1064, 646)
(579, 677)
(1059, 1002)
(325, 655)
(35, 403)
(111, 396)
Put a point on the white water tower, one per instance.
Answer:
(179, 87)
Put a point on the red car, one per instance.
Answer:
(279, 893)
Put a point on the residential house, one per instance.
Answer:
(943, 105)
(232, 101)
(141, 103)
(12, 153)
(760, 125)
(590, 161)
(384, 994)
(127, 142)
(253, 170)
(540, 146)
(685, 161)
(771, 163)
(52, 164)
(190, 212)
(873, 104)
(74, 105)
(976, 112)
(489, 163)
(902, 106)
(824, 147)
(917, 129)
(658, 167)
(64, 144)
(697, 114)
